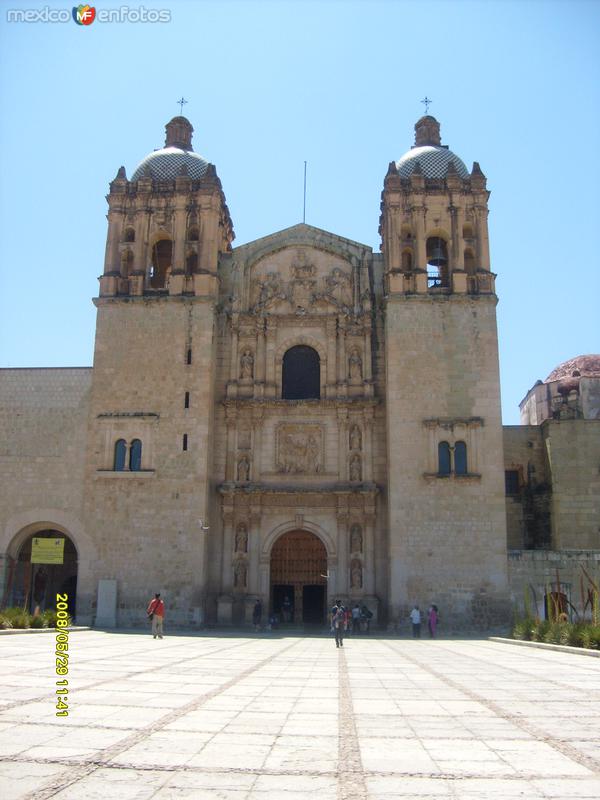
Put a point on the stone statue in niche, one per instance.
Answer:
(243, 469)
(355, 468)
(299, 449)
(241, 538)
(355, 365)
(240, 572)
(356, 539)
(366, 300)
(356, 574)
(355, 438)
(247, 365)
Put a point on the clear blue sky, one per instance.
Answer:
(515, 87)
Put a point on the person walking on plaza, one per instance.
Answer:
(338, 622)
(156, 612)
(415, 618)
(432, 617)
(257, 615)
(356, 618)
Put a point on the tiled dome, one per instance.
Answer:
(585, 366)
(432, 160)
(177, 157)
(166, 164)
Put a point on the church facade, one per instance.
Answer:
(293, 420)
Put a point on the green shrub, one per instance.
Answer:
(540, 630)
(5, 623)
(37, 622)
(520, 630)
(18, 617)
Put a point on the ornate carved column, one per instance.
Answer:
(482, 237)
(260, 367)
(112, 262)
(341, 357)
(367, 450)
(369, 554)
(342, 416)
(254, 552)
(343, 578)
(179, 228)
(270, 384)
(420, 251)
(230, 460)
(234, 366)
(257, 422)
(227, 564)
(331, 381)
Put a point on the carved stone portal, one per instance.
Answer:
(300, 449)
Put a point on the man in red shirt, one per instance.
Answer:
(156, 612)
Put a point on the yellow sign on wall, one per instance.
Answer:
(47, 551)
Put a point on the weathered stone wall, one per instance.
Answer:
(43, 419)
(534, 572)
(447, 534)
(146, 523)
(528, 510)
(573, 452)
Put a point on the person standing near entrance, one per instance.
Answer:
(432, 617)
(338, 622)
(257, 615)
(156, 612)
(356, 618)
(415, 618)
(287, 609)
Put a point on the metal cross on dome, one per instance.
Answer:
(427, 102)
(182, 103)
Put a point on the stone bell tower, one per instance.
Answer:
(447, 529)
(152, 396)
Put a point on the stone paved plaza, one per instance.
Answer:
(260, 717)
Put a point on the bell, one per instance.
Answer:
(437, 257)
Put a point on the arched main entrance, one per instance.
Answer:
(32, 585)
(298, 588)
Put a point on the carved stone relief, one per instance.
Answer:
(355, 366)
(355, 438)
(356, 539)
(355, 468)
(243, 469)
(299, 449)
(244, 437)
(247, 365)
(241, 538)
(356, 574)
(240, 574)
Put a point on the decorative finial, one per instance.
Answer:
(181, 103)
(426, 102)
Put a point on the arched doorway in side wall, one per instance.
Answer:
(35, 585)
(298, 588)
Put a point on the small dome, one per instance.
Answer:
(581, 366)
(432, 160)
(167, 164)
(177, 157)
